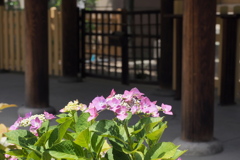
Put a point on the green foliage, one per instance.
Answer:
(76, 138)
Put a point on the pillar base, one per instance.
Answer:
(23, 110)
(199, 148)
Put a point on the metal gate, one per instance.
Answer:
(121, 45)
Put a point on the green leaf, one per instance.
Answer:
(106, 128)
(69, 136)
(33, 156)
(82, 122)
(161, 150)
(21, 137)
(145, 126)
(113, 154)
(2, 156)
(62, 120)
(83, 139)
(66, 150)
(135, 147)
(43, 139)
(53, 137)
(97, 143)
(139, 155)
(44, 128)
(62, 115)
(178, 153)
(46, 156)
(117, 144)
(17, 153)
(2, 147)
(58, 133)
(157, 134)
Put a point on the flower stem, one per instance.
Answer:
(130, 143)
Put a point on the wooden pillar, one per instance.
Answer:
(1, 34)
(229, 45)
(178, 57)
(70, 36)
(36, 69)
(166, 60)
(198, 70)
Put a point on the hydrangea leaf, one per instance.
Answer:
(164, 150)
(83, 139)
(157, 134)
(106, 128)
(21, 137)
(33, 156)
(97, 143)
(66, 150)
(82, 122)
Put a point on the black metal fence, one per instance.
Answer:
(121, 45)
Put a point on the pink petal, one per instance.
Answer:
(167, 109)
(112, 93)
(16, 124)
(48, 115)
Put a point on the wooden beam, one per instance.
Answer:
(36, 69)
(166, 59)
(70, 36)
(198, 70)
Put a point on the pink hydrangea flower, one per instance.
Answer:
(92, 111)
(127, 95)
(167, 109)
(27, 115)
(35, 124)
(99, 103)
(48, 115)
(10, 157)
(134, 109)
(111, 94)
(147, 106)
(16, 124)
(122, 113)
(136, 92)
(114, 104)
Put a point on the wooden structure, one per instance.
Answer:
(198, 69)
(70, 41)
(109, 47)
(36, 70)
(166, 60)
(12, 41)
(229, 55)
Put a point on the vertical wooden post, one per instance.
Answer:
(124, 40)
(166, 59)
(198, 70)
(70, 37)
(1, 34)
(82, 53)
(229, 42)
(198, 78)
(178, 57)
(36, 69)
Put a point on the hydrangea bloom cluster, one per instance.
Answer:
(130, 101)
(34, 121)
(74, 105)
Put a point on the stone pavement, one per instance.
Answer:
(227, 118)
